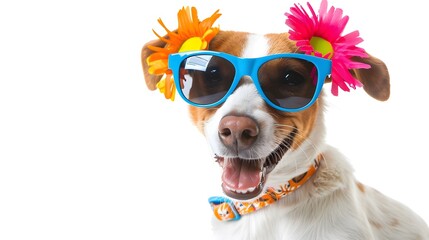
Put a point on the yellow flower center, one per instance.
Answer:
(193, 44)
(322, 46)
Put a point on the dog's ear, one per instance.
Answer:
(376, 80)
(151, 79)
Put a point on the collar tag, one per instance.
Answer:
(224, 209)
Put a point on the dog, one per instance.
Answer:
(284, 180)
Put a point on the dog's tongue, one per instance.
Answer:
(240, 174)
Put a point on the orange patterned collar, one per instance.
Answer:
(226, 209)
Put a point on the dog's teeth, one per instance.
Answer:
(242, 191)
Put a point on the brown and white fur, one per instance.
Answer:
(332, 204)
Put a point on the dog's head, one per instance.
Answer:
(256, 145)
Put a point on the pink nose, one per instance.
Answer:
(238, 132)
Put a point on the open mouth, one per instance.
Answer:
(243, 179)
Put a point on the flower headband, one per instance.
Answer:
(315, 34)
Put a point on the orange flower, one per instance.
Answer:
(191, 35)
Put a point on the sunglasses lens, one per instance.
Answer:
(288, 82)
(205, 79)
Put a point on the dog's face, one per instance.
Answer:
(256, 145)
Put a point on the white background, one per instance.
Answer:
(87, 152)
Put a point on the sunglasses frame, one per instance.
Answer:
(250, 67)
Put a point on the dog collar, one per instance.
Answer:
(226, 209)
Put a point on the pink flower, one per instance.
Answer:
(320, 35)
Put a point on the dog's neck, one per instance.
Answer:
(226, 209)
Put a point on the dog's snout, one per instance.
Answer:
(238, 132)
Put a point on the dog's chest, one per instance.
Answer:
(273, 222)
(264, 224)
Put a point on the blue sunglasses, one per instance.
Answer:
(289, 82)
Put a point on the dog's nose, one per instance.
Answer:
(238, 132)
